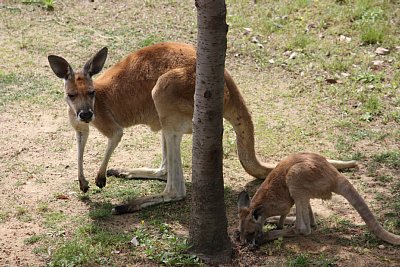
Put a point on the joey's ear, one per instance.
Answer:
(60, 67)
(96, 63)
(257, 213)
(243, 200)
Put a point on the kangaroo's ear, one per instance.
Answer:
(96, 63)
(243, 200)
(60, 67)
(257, 213)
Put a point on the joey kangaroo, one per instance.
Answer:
(153, 86)
(295, 180)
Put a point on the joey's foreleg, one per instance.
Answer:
(145, 173)
(113, 142)
(280, 221)
(81, 139)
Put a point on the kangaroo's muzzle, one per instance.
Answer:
(86, 116)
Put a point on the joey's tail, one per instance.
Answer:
(238, 115)
(346, 189)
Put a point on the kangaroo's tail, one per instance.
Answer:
(338, 164)
(239, 116)
(346, 189)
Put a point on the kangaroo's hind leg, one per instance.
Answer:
(175, 122)
(145, 173)
(312, 216)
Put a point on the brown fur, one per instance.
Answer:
(295, 180)
(153, 86)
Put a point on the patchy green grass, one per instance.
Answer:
(89, 245)
(162, 245)
(390, 158)
(33, 239)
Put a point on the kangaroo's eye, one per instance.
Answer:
(92, 93)
(72, 96)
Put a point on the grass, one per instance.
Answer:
(163, 246)
(33, 239)
(294, 108)
(390, 158)
(90, 245)
(46, 4)
(301, 260)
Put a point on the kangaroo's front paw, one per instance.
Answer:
(101, 181)
(83, 185)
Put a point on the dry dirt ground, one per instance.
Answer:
(38, 154)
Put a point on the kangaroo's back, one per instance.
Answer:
(125, 88)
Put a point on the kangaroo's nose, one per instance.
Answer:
(85, 116)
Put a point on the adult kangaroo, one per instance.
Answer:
(295, 180)
(152, 86)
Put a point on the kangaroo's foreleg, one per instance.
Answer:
(113, 142)
(81, 139)
(145, 173)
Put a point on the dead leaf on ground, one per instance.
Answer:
(247, 31)
(331, 80)
(344, 38)
(65, 197)
(382, 51)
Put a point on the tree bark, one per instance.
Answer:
(208, 224)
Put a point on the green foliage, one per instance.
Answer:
(33, 239)
(301, 260)
(372, 33)
(370, 20)
(101, 212)
(337, 64)
(300, 41)
(3, 216)
(391, 158)
(53, 219)
(372, 107)
(163, 246)
(7, 78)
(46, 4)
(90, 246)
(149, 40)
(22, 214)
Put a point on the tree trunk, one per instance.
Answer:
(208, 224)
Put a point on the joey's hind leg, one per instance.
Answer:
(302, 224)
(145, 173)
(312, 216)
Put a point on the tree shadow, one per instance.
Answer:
(177, 215)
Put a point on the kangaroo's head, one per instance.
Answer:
(250, 221)
(79, 90)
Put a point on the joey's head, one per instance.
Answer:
(251, 221)
(79, 91)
